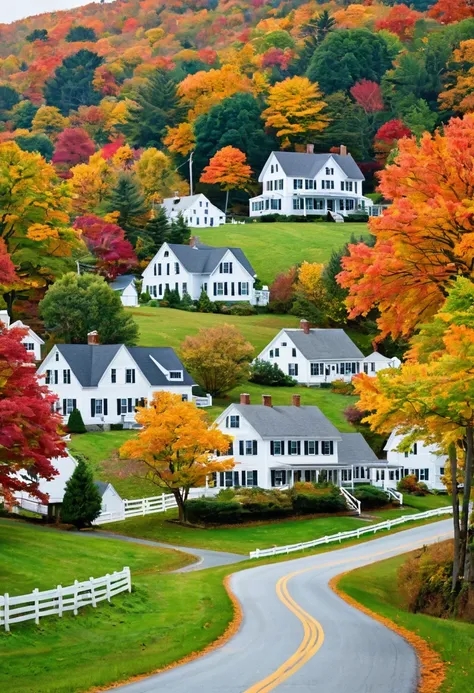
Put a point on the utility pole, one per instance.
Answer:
(191, 173)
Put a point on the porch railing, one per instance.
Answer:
(351, 502)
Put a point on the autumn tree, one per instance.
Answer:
(34, 221)
(282, 291)
(295, 110)
(401, 21)
(76, 305)
(227, 168)
(50, 121)
(158, 176)
(386, 138)
(90, 183)
(203, 90)
(29, 430)
(176, 447)
(180, 139)
(73, 146)
(368, 95)
(72, 84)
(424, 239)
(431, 398)
(449, 11)
(310, 299)
(459, 94)
(107, 242)
(218, 358)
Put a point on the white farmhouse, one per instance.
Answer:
(31, 341)
(225, 274)
(125, 286)
(276, 446)
(375, 362)
(421, 460)
(310, 184)
(54, 488)
(107, 382)
(197, 210)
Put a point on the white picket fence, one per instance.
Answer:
(353, 534)
(36, 605)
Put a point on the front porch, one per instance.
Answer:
(286, 476)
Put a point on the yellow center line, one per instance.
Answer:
(313, 633)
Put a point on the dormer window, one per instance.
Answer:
(166, 253)
(176, 375)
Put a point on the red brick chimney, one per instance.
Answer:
(93, 337)
(343, 150)
(244, 398)
(304, 325)
(267, 400)
(296, 400)
(310, 149)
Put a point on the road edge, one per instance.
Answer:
(231, 629)
(432, 667)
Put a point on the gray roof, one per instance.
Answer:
(181, 204)
(354, 449)
(376, 356)
(122, 282)
(101, 486)
(325, 344)
(298, 164)
(203, 259)
(288, 422)
(89, 362)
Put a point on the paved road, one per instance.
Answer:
(204, 557)
(299, 637)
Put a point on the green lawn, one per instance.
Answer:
(416, 504)
(375, 587)
(273, 248)
(165, 618)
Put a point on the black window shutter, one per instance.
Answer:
(129, 404)
(254, 446)
(298, 447)
(272, 473)
(119, 408)
(283, 476)
(225, 288)
(64, 407)
(215, 289)
(230, 451)
(92, 407)
(220, 267)
(230, 268)
(331, 447)
(227, 422)
(272, 448)
(232, 289)
(221, 478)
(243, 478)
(316, 447)
(240, 288)
(74, 403)
(289, 447)
(305, 447)
(296, 369)
(136, 402)
(255, 478)
(236, 479)
(241, 447)
(105, 408)
(282, 447)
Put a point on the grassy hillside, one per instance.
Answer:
(273, 248)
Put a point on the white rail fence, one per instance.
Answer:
(351, 502)
(353, 534)
(36, 605)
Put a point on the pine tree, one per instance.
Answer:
(187, 302)
(157, 230)
(174, 299)
(180, 231)
(75, 423)
(127, 199)
(82, 501)
(72, 85)
(157, 106)
(205, 304)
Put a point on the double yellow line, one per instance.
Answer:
(313, 633)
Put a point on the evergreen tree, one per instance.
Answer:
(174, 299)
(166, 296)
(37, 35)
(157, 106)
(81, 33)
(127, 199)
(9, 97)
(71, 85)
(82, 501)
(157, 230)
(180, 232)
(22, 114)
(75, 423)
(37, 142)
(187, 302)
(205, 304)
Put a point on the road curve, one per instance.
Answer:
(297, 636)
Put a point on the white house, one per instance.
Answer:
(315, 355)
(125, 285)
(310, 184)
(53, 488)
(224, 273)
(31, 341)
(276, 446)
(197, 210)
(107, 382)
(112, 503)
(422, 460)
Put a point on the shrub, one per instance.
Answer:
(370, 496)
(265, 373)
(424, 580)
(156, 304)
(75, 423)
(243, 308)
(144, 297)
(205, 304)
(410, 485)
(340, 387)
(359, 217)
(116, 427)
(329, 502)
(211, 511)
(187, 302)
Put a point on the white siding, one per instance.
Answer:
(425, 462)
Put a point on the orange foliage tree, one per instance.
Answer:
(176, 447)
(459, 95)
(424, 239)
(180, 139)
(449, 11)
(401, 21)
(295, 110)
(227, 168)
(203, 90)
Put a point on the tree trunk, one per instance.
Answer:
(468, 469)
(453, 461)
(180, 503)
(9, 298)
(226, 201)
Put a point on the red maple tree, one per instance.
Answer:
(29, 430)
(107, 242)
(368, 95)
(7, 268)
(73, 146)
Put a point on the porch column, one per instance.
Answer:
(352, 477)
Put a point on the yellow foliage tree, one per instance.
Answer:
(158, 176)
(176, 448)
(295, 110)
(48, 119)
(203, 90)
(180, 139)
(90, 183)
(459, 95)
(124, 158)
(310, 281)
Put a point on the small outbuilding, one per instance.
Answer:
(125, 285)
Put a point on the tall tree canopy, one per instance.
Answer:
(107, 242)
(227, 168)
(72, 84)
(126, 199)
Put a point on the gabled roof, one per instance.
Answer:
(298, 164)
(181, 204)
(31, 333)
(354, 449)
(288, 422)
(203, 259)
(377, 356)
(122, 282)
(324, 344)
(101, 486)
(89, 362)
